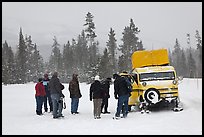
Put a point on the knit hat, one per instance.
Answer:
(55, 74)
(109, 79)
(97, 77)
(45, 75)
(115, 76)
(40, 79)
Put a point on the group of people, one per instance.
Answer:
(42, 95)
(50, 90)
(99, 93)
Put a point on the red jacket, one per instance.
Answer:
(40, 89)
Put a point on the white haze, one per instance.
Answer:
(160, 22)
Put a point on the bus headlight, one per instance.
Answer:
(144, 84)
(174, 82)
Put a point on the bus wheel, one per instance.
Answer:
(151, 96)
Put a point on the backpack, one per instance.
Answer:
(129, 85)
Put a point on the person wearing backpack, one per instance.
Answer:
(48, 96)
(56, 95)
(121, 93)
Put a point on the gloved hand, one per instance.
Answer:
(60, 101)
(62, 95)
(116, 97)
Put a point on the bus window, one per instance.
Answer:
(135, 78)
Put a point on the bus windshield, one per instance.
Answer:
(157, 76)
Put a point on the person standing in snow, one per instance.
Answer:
(106, 87)
(39, 96)
(121, 92)
(47, 97)
(75, 94)
(96, 93)
(128, 82)
(56, 95)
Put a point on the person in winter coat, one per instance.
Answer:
(48, 96)
(39, 96)
(96, 94)
(56, 95)
(128, 81)
(75, 94)
(121, 92)
(106, 87)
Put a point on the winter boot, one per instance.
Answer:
(46, 109)
(147, 111)
(51, 110)
(142, 111)
(38, 112)
(116, 117)
(106, 112)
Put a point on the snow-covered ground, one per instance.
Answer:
(19, 118)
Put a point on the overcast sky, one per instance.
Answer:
(160, 22)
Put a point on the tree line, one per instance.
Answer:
(81, 55)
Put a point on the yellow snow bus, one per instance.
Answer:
(154, 81)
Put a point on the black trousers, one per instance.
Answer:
(104, 105)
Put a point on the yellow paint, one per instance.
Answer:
(149, 58)
(154, 61)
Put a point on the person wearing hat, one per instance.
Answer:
(48, 96)
(106, 87)
(75, 94)
(96, 94)
(121, 93)
(39, 96)
(56, 95)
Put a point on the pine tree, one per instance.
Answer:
(183, 65)
(199, 50)
(130, 44)
(176, 57)
(191, 65)
(104, 66)
(5, 74)
(82, 54)
(199, 44)
(8, 64)
(30, 50)
(122, 64)
(37, 63)
(90, 33)
(92, 46)
(75, 60)
(112, 46)
(21, 60)
(67, 60)
(55, 62)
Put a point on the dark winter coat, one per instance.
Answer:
(40, 89)
(120, 87)
(55, 86)
(106, 87)
(74, 88)
(96, 90)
